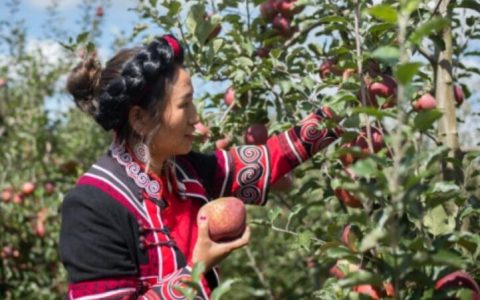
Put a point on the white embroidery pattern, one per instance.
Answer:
(151, 186)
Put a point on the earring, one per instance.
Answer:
(141, 152)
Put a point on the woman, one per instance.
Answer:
(129, 227)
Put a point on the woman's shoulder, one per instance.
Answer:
(104, 182)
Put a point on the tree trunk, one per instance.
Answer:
(447, 126)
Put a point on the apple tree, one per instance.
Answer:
(391, 209)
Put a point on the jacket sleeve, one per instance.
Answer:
(98, 250)
(246, 172)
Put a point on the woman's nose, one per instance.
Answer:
(195, 118)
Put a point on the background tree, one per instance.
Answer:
(390, 210)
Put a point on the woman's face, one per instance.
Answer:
(175, 133)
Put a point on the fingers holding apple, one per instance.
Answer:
(222, 228)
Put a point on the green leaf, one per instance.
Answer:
(360, 277)
(427, 28)
(425, 119)
(223, 288)
(371, 239)
(383, 12)
(82, 37)
(153, 3)
(304, 239)
(411, 6)
(445, 257)
(244, 61)
(405, 72)
(471, 4)
(365, 168)
(388, 54)
(274, 213)
(438, 222)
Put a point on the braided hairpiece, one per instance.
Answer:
(136, 80)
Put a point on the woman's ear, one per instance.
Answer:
(138, 119)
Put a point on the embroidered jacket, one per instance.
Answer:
(128, 234)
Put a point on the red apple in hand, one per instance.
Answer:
(458, 93)
(256, 134)
(226, 218)
(425, 102)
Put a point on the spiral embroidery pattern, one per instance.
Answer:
(249, 175)
(151, 186)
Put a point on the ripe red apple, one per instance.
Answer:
(28, 188)
(202, 131)
(347, 198)
(372, 67)
(16, 253)
(337, 272)
(256, 134)
(389, 289)
(283, 184)
(350, 236)
(222, 144)
(310, 262)
(328, 67)
(49, 188)
(377, 140)
(40, 229)
(226, 218)
(268, 10)
(287, 8)
(6, 251)
(263, 52)
(282, 26)
(425, 102)
(458, 93)
(459, 279)
(367, 289)
(7, 194)
(387, 88)
(99, 11)
(17, 199)
(229, 96)
(362, 142)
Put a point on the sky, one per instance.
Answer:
(119, 18)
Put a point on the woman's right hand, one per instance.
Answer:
(212, 253)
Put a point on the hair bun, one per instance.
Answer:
(82, 83)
